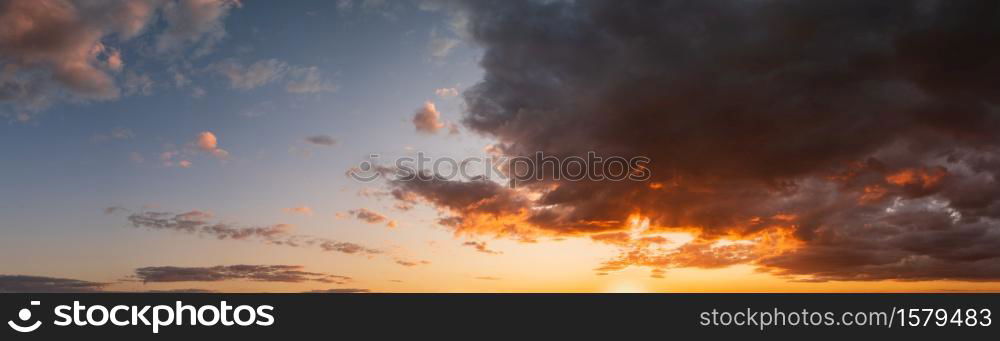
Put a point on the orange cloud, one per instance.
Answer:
(208, 142)
(427, 119)
(872, 193)
(303, 210)
(115, 61)
(924, 178)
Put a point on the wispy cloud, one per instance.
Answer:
(322, 140)
(372, 217)
(138, 83)
(408, 263)
(251, 76)
(40, 284)
(297, 79)
(481, 247)
(118, 133)
(195, 23)
(260, 273)
(440, 46)
(339, 291)
(446, 92)
(303, 210)
(198, 222)
(308, 80)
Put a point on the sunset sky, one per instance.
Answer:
(188, 145)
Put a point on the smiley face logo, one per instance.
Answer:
(366, 171)
(25, 315)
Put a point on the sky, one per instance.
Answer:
(207, 145)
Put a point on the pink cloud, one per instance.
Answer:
(208, 142)
(303, 210)
(427, 119)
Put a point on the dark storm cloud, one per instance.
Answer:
(862, 132)
(262, 273)
(469, 202)
(39, 284)
(481, 196)
(199, 222)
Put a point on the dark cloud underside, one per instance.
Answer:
(263, 273)
(864, 133)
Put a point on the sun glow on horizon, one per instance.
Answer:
(626, 287)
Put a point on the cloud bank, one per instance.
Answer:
(262, 273)
(40, 284)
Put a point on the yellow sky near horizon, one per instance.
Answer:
(565, 266)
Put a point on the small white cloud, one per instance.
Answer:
(446, 92)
